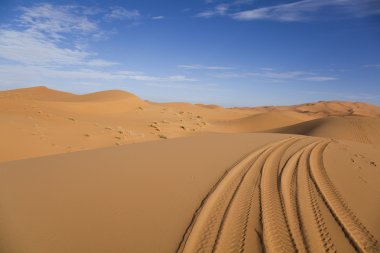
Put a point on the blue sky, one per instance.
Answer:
(233, 52)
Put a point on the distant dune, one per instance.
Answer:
(264, 121)
(37, 93)
(302, 178)
(55, 122)
(326, 108)
(359, 129)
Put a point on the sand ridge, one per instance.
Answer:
(353, 128)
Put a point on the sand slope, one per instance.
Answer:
(132, 198)
(198, 194)
(359, 129)
(264, 121)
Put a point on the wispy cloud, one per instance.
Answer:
(304, 10)
(121, 13)
(200, 67)
(158, 17)
(34, 48)
(221, 9)
(311, 9)
(343, 96)
(49, 43)
(372, 66)
(54, 22)
(320, 78)
(277, 76)
(174, 78)
(33, 75)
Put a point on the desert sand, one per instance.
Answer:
(110, 172)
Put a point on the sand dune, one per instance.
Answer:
(107, 96)
(37, 93)
(68, 182)
(326, 108)
(264, 121)
(359, 129)
(55, 122)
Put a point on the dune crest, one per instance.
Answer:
(359, 129)
(264, 121)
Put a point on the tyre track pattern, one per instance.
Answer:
(312, 222)
(275, 206)
(359, 235)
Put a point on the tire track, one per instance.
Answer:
(233, 234)
(289, 189)
(272, 201)
(206, 227)
(277, 237)
(198, 211)
(313, 223)
(359, 236)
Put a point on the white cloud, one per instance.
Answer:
(100, 63)
(219, 10)
(34, 48)
(47, 44)
(198, 67)
(310, 9)
(45, 34)
(266, 69)
(372, 66)
(320, 78)
(158, 17)
(44, 75)
(279, 75)
(180, 78)
(29, 47)
(264, 74)
(121, 13)
(276, 76)
(53, 21)
(175, 78)
(345, 96)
